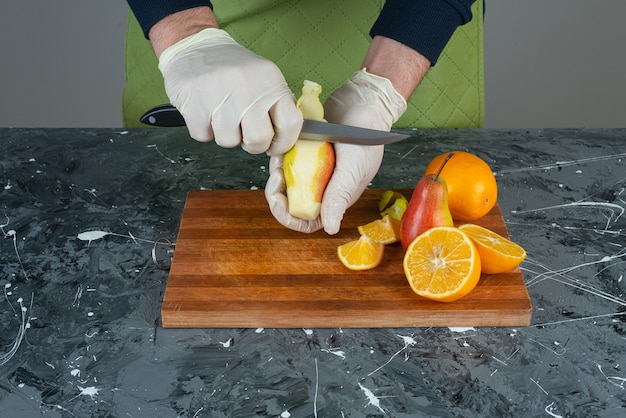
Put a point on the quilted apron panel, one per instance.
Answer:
(325, 41)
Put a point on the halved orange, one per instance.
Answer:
(497, 253)
(385, 230)
(442, 264)
(361, 254)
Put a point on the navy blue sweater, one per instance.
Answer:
(424, 25)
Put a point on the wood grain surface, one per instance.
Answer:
(235, 266)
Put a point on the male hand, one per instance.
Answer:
(229, 94)
(367, 101)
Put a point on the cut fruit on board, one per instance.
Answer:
(235, 266)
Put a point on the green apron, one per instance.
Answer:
(324, 41)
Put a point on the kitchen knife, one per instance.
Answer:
(167, 116)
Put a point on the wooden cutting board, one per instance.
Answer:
(235, 266)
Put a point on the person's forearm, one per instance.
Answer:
(402, 65)
(177, 26)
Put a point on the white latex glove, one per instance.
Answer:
(277, 200)
(367, 101)
(227, 93)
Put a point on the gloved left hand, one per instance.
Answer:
(365, 100)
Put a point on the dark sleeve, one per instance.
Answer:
(151, 11)
(424, 25)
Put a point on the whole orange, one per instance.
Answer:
(472, 188)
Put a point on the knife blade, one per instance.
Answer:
(167, 115)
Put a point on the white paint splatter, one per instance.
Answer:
(92, 235)
(549, 410)
(227, 343)
(285, 414)
(317, 382)
(616, 210)
(539, 386)
(408, 341)
(11, 233)
(96, 235)
(336, 351)
(498, 360)
(162, 155)
(561, 164)
(614, 380)
(461, 329)
(259, 330)
(90, 391)
(77, 296)
(372, 399)
(558, 351)
(307, 331)
(24, 325)
(7, 293)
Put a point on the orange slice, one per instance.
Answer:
(361, 254)
(385, 230)
(442, 264)
(497, 253)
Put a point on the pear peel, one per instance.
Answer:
(392, 203)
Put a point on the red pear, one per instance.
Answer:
(427, 208)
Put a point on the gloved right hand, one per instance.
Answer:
(227, 93)
(365, 100)
(369, 101)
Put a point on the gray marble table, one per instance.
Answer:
(80, 333)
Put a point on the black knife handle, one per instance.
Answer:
(164, 115)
